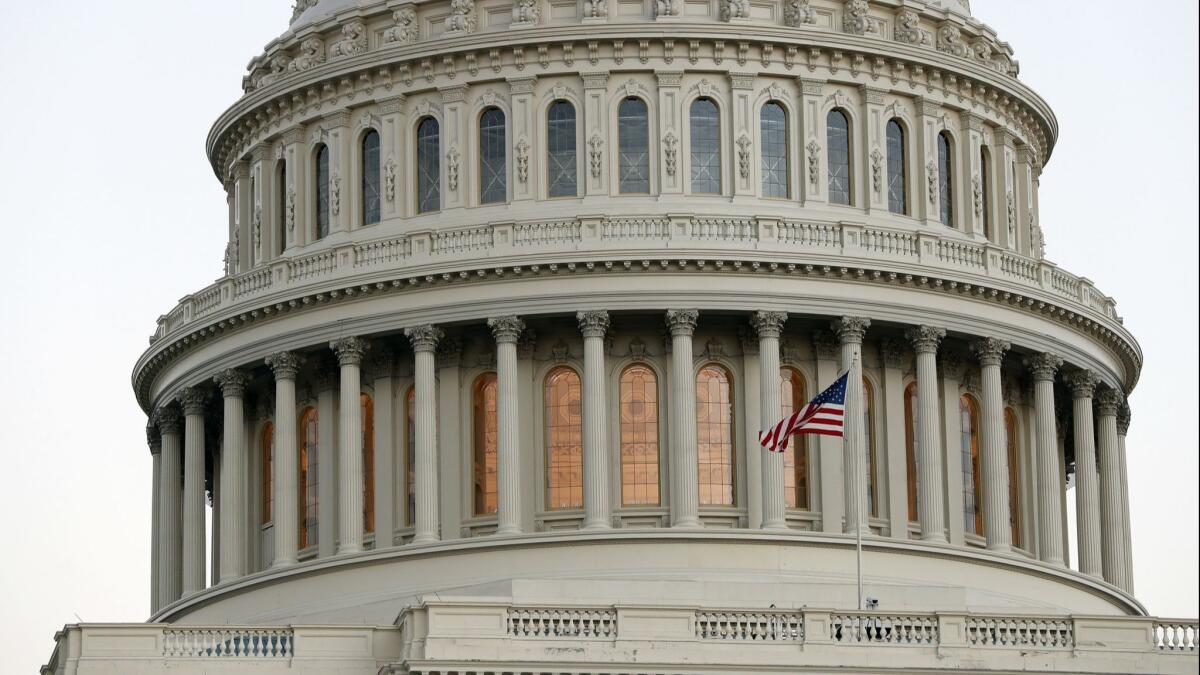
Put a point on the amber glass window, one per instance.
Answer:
(368, 461)
(714, 435)
(910, 448)
(267, 448)
(1012, 441)
(972, 513)
(484, 443)
(410, 456)
(869, 447)
(321, 191)
(639, 437)
(370, 178)
(897, 188)
(946, 179)
(564, 439)
(309, 497)
(795, 460)
(837, 136)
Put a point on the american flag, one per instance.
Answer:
(823, 415)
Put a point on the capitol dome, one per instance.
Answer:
(511, 286)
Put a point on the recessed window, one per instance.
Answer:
(429, 184)
(308, 479)
(639, 437)
(564, 439)
(897, 183)
(370, 178)
(561, 156)
(410, 458)
(868, 422)
(367, 420)
(1012, 442)
(714, 435)
(985, 189)
(910, 449)
(837, 137)
(633, 136)
(493, 158)
(267, 453)
(773, 128)
(281, 206)
(969, 445)
(484, 420)
(945, 179)
(321, 191)
(705, 147)
(795, 461)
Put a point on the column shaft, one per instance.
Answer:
(769, 326)
(193, 492)
(996, 512)
(1049, 479)
(1122, 431)
(685, 489)
(234, 502)
(285, 511)
(155, 517)
(850, 331)
(170, 515)
(1112, 520)
(597, 502)
(931, 488)
(508, 461)
(1087, 487)
(427, 526)
(350, 352)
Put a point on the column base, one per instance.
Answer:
(775, 525)
(687, 523)
(425, 539)
(347, 550)
(597, 525)
(508, 529)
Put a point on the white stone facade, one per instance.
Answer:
(507, 288)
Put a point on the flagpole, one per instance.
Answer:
(858, 546)
(861, 514)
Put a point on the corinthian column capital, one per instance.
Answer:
(350, 350)
(153, 436)
(168, 420)
(194, 400)
(682, 322)
(990, 351)
(1124, 417)
(850, 329)
(1083, 383)
(593, 324)
(506, 328)
(232, 382)
(768, 324)
(424, 338)
(1109, 402)
(285, 365)
(925, 339)
(1043, 366)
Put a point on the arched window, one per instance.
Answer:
(321, 191)
(561, 156)
(837, 137)
(639, 437)
(309, 497)
(368, 464)
(429, 166)
(1012, 441)
(972, 494)
(985, 189)
(410, 457)
(484, 443)
(706, 147)
(267, 450)
(633, 138)
(774, 132)
(946, 178)
(493, 158)
(714, 435)
(897, 183)
(795, 460)
(564, 439)
(910, 449)
(281, 206)
(370, 178)
(868, 422)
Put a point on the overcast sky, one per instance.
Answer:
(112, 214)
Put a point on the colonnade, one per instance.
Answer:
(179, 449)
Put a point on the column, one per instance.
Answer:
(193, 400)
(597, 503)
(424, 341)
(350, 351)
(828, 457)
(850, 331)
(262, 177)
(1087, 482)
(380, 369)
(769, 327)
(1123, 419)
(931, 485)
(154, 440)
(325, 382)
(895, 362)
(233, 475)
(1112, 518)
(170, 514)
(1043, 368)
(994, 459)
(507, 330)
(243, 198)
(685, 489)
(284, 512)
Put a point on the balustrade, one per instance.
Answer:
(200, 643)
(892, 629)
(1020, 632)
(1176, 636)
(750, 626)
(562, 623)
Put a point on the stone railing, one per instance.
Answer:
(561, 623)
(637, 239)
(750, 626)
(1020, 632)
(894, 629)
(1177, 635)
(245, 643)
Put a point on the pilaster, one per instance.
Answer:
(670, 138)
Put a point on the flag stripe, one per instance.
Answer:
(823, 416)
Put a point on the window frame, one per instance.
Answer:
(649, 149)
(911, 461)
(365, 186)
(322, 207)
(946, 211)
(549, 488)
(786, 145)
(893, 164)
(485, 167)
(973, 414)
(731, 396)
(550, 152)
(717, 150)
(308, 459)
(800, 465)
(656, 437)
(479, 458)
(420, 146)
(850, 168)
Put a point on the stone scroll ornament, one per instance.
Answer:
(595, 9)
(596, 155)
(462, 17)
(798, 13)
(877, 170)
(406, 30)
(667, 7)
(735, 9)
(353, 42)
(523, 161)
(854, 18)
(670, 152)
(452, 157)
(744, 143)
(389, 179)
(814, 164)
(312, 54)
(526, 12)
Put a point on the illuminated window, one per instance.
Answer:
(493, 158)
(562, 168)
(309, 497)
(896, 175)
(714, 435)
(484, 417)
(429, 166)
(795, 460)
(869, 447)
(910, 448)
(1012, 440)
(267, 448)
(639, 437)
(410, 447)
(706, 147)
(972, 513)
(837, 136)
(564, 439)
(370, 178)
(774, 132)
(321, 191)
(368, 462)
